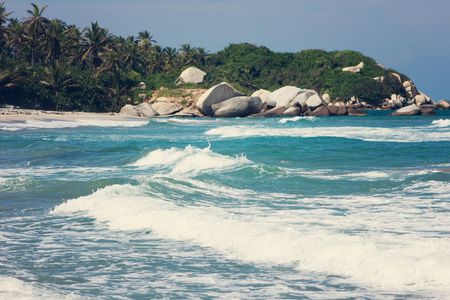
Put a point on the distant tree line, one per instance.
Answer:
(49, 64)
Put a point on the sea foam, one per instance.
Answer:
(191, 160)
(441, 123)
(372, 134)
(12, 288)
(301, 239)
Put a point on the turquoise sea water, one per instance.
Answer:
(282, 208)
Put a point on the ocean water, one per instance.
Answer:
(281, 208)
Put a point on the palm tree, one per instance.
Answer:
(201, 56)
(187, 53)
(3, 14)
(35, 25)
(117, 89)
(74, 45)
(9, 80)
(96, 41)
(171, 55)
(57, 77)
(3, 18)
(17, 38)
(145, 36)
(57, 34)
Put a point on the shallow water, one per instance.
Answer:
(282, 208)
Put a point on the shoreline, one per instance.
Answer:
(22, 115)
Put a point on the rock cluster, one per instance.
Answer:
(224, 101)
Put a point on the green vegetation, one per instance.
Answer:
(51, 65)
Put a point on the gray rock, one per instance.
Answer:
(314, 101)
(285, 95)
(443, 104)
(129, 110)
(214, 95)
(342, 110)
(321, 111)
(427, 112)
(273, 113)
(292, 112)
(191, 75)
(355, 69)
(355, 112)
(146, 110)
(263, 94)
(420, 99)
(409, 110)
(301, 98)
(237, 107)
(165, 109)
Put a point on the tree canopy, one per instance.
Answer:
(52, 65)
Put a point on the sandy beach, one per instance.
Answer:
(22, 115)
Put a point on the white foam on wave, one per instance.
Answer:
(38, 124)
(295, 119)
(441, 123)
(12, 288)
(310, 240)
(375, 134)
(191, 160)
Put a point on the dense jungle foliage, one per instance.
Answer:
(49, 64)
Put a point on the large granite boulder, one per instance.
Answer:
(129, 110)
(443, 104)
(342, 110)
(284, 96)
(303, 97)
(321, 111)
(354, 69)
(214, 95)
(410, 87)
(314, 101)
(242, 106)
(263, 94)
(191, 75)
(164, 108)
(409, 110)
(146, 110)
(338, 109)
(272, 113)
(420, 99)
(292, 112)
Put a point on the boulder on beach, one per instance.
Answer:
(321, 111)
(242, 106)
(129, 110)
(191, 75)
(289, 96)
(410, 110)
(284, 96)
(214, 95)
(146, 110)
(272, 113)
(263, 94)
(164, 108)
(314, 101)
(292, 111)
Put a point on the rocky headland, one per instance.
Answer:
(223, 100)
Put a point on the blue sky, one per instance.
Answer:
(410, 36)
